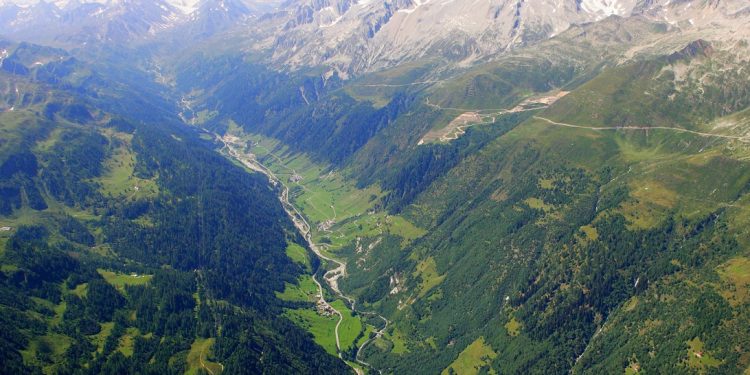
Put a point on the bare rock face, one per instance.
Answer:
(366, 35)
(352, 37)
(358, 36)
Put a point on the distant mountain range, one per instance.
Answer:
(73, 22)
(353, 36)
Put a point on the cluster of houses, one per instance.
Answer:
(324, 308)
(326, 225)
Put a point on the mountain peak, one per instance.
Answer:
(606, 8)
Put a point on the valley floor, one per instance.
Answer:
(331, 276)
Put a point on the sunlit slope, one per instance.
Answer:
(573, 217)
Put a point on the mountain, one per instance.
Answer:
(212, 16)
(364, 36)
(106, 258)
(75, 23)
(473, 187)
(545, 208)
(347, 36)
(371, 35)
(79, 23)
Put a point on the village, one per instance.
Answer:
(323, 308)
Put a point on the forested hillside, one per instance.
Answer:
(129, 245)
(566, 208)
(376, 187)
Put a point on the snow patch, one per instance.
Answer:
(604, 8)
(419, 4)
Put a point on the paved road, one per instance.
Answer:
(304, 228)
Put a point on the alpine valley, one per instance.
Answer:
(375, 186)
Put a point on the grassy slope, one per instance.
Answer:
(199, 358)
(522, 213)
(120, 280)
(472, 359)
(321, 327)
(350, 327)
(298, 254)
(120, 179)
(664, 174)
(322, 194)
(667, 174)
(304, 291)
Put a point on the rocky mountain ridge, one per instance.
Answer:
(355, 37)
(352, 37)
